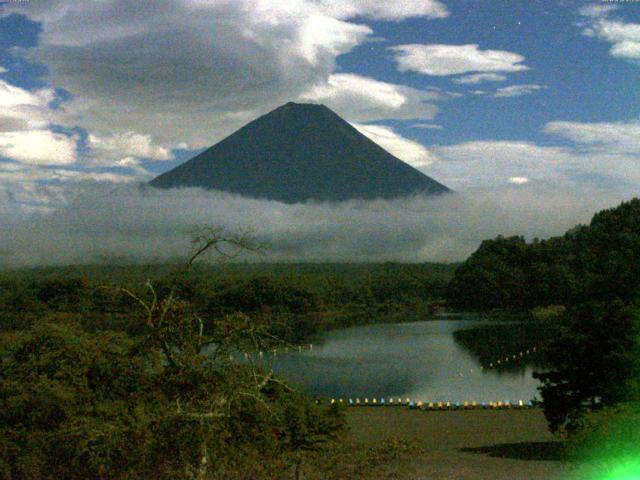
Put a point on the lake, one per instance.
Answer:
(419, 360)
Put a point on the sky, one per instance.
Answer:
(483, 96)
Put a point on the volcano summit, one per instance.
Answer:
(300, 152)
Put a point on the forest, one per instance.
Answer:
(590, 277)
(102, 373)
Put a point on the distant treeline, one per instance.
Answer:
(597, 262)
(297, 300)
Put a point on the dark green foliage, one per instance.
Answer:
(493, 277)
(599, 262)
(64, 403)
(263, 293)
(607, 254)
(595, 362)
(508, 273)
(594, 270)
(163, 400)
(297, 301)
(80, 405)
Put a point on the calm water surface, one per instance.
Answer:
(418, 360)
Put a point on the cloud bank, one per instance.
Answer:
(143, 224)
(442, 60)
(194, 71)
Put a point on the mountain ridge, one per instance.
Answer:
(300, 152)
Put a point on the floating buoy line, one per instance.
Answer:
(272, 352)
(511, 358)
(412, 403)
(309, 348)
(431, 406)
(506, 360)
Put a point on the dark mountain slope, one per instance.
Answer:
(299, 152)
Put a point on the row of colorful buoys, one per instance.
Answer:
(502, 361)
(275, 351)
(421, 405)
(511, 358)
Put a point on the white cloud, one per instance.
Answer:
(596, 11)
(620, 137)
(29, 188)
(440, 60)
(3, 70)
(626, 49)
(427, 126)
(182, 71)
(490, 164)
(409, 151)
(24, 120)
(493, 163)
(151, 225)
(38, 147)
(394, 11)
(364, 99)
(22, 109)
(479, 78)
(624, 37)
(518, 180)
(517, 90)
(117, 147)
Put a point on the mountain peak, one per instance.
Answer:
(299, 152)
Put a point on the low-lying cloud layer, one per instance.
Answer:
(143, 224)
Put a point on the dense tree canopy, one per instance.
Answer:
(595, 362)
(166, 402)
(594, 270)
(598, 262)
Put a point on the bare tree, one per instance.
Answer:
(182, 336)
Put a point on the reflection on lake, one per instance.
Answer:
(420, 360)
